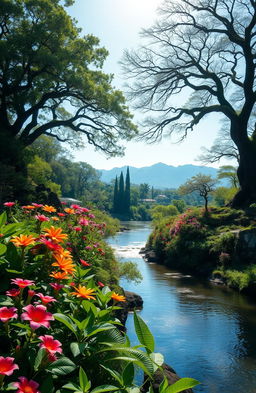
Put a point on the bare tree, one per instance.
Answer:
(206, 49)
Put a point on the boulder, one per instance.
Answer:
(133, 301)
(158, 377)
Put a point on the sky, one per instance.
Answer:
(118, 23)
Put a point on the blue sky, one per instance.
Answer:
(117, 23)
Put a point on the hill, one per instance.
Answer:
(159, 175)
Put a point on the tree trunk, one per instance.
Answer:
(246, 172)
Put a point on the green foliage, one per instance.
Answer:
(223, 195)
(229, 172)
(202, 184)
(160, 211)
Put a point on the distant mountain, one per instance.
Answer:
(159, 175)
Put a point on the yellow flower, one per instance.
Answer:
(65, 264)
(49, 209)
(118, 298)
(23, 240)
(83, 292)
(55, 234)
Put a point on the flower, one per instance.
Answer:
(84, 263)
(100, 284)
(7, 366)
(22, 283)
(9, 204)
(42, 217)
(60, 275)
(49, 209)
(28, 207)
(69, 210)
(37, 315)
(26, 386)
(52, 346)
(65, 264)
(45, 298)
(54, 218)
(13, 292)
(37, 205)
(61, 214)
(75, 206)
(55, 234)
(8, 313)
(56, 286)
(23, 240)
(83, 222)
(50, 245)
(118, 298)
(77, 229)
(83, 292)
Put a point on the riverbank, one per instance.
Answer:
(219, 245)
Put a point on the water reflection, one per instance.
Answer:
(204, 331)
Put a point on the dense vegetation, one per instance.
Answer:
(206, 243)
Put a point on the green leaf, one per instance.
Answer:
(83, 380)
(182, 384)
(99, 328)
(66, 321)
(104, 388)
(39, 357)
(46, 386)
(77, 348)
(3, 249)
(128, 374)
(71, 386)
(62, 366)
(143, 333)
(3, 219)
(114, 374)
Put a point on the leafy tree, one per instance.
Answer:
(160, 211)
(127, 193)
(228, 172)
(51, 83)
(180, 204)
(223, 195)
(200, 183)
(115, 200)
(144, 190)
(121, 194)
(205, 49)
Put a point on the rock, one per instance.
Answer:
(133, 301)
(245, 248)
(151, 256)
(158, 377)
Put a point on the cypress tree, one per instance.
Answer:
(121, 194)
(127, 193)
(115, 199)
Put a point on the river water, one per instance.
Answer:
(203, 331)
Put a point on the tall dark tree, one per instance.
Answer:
(205, 48)
(51, 83)
(121, 194)
(115, 198)
(127, 193)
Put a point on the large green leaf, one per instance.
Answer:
(83, 380)
(61, 366)
(3, 249)
(182, 384)
(39, 357)
(77, 348)
(144, 335)
(105, 388)
(3, 219)
(66, 321)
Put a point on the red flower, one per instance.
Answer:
(84, 263)
(77, 229)
(45, 298)
(7, 366)
(56, 286)
(83, 222)
(42, 217)
(61, 214)
(37, 315)
(100, 284)
(75, 207)
(9, 204)
(50, 245)
(22, 283)
(26, 386)
(52, 346)
(13, 292)
(37, 204)
(7, 313)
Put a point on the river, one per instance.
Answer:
(204, 331)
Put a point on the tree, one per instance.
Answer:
(144, 190)
(228, 172)
(205, 49)
(121, 194)
(127, 193)
(200, 183)
(51, 82)
(115, 199)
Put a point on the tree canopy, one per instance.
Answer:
(51, 80)
(205, 49)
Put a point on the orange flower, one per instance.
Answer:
(69, 210)
(49, 209)
(23, 240)
(55, 234)
(118, 298)
(55, 218)
(65, 264)
(83, 292)
(28, 207)
(60, 275)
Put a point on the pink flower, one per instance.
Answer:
(50, 245)
(84, 263)
(84, 210)
(75, 207)
(37, 204)
(8, 313)
(42, 217)
(56, 286)
(45, 298)
(31, 293)
(51, 357)
(52, 346)
(77, 229)
(9, 204)
(61, 214)
(100, 284)
(83, 222)
(13, 292)
(37, 315)
(26, 386)
(22, 283)
(91, 215)
(7, 366)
